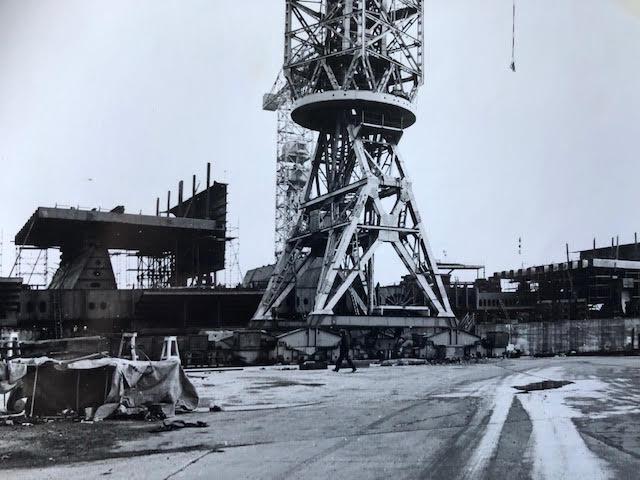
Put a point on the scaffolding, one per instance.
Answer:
(295, 144)
(154, 272)
(232, 269)
(32, 265)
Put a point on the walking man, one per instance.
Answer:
(345, 346)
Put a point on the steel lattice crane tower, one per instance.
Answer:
(353, 68)
(294, 147)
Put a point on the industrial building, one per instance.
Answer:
(602, 283)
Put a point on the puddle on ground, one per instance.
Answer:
(544, 385)
(283, 383)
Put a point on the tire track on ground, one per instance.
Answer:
(440, 468)
(365, 430)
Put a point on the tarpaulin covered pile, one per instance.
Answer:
(106, 385)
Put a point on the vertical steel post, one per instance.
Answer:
(208, 204)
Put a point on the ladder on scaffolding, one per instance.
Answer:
(57, 313)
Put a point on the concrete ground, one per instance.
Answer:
(409, 422)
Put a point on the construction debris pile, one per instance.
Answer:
(92, 387)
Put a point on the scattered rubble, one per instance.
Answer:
(314, 365)
(403, 362)
(170, 425)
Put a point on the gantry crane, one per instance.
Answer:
(353, 70)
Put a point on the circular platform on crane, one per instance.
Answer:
(320, 111)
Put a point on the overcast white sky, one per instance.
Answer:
(136, 95)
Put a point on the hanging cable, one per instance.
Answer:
(513, 39)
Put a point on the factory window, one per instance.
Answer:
(42, 306)
(95, 285)
(30, 307)
(103, 305)
(92, 306)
